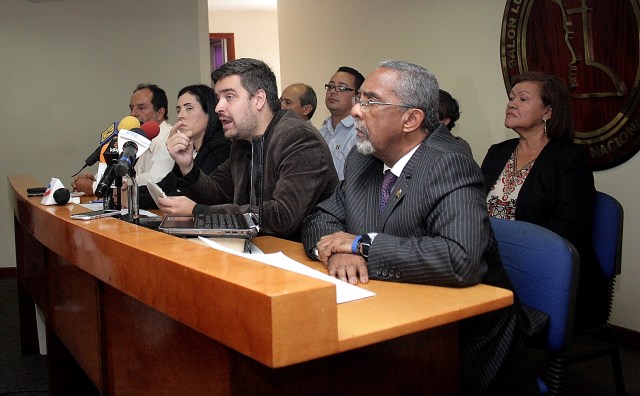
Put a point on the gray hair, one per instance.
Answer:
(417, 87)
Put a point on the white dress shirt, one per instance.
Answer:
(340, 140)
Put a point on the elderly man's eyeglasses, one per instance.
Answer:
(338, 88)
(365, 104)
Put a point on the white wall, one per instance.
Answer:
(255, 34)
(459, 42)
(67, 70)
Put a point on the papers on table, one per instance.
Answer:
(124, 211)
(155, 191)
(345, 292)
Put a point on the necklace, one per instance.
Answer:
(512, 177)
(515, 160)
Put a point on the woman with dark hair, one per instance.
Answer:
(196, 113)
(449, 114)
(542, 177)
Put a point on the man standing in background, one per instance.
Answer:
(339, 129)
(300, 98)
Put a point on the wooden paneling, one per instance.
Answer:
(73, 313)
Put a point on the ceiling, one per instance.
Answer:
(243, 5)
(229, 5)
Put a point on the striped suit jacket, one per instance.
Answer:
(434, 230)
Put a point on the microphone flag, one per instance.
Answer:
(54, 185)
(106, 136)
(136, 137)
(110, 135)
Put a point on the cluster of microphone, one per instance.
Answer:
(121, 143)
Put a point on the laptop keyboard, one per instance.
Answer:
(219, 221)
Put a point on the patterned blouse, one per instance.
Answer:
(501, 200)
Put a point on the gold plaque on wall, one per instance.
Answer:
(593, 46)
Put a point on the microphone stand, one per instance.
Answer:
(118, 184)
(134, 215)
(107, 201)
(134, 205)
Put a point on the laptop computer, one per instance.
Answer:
(222, 225)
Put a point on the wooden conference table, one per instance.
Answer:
(129, 310)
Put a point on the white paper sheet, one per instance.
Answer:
(124, 211)
(155, 191)
(345, 292)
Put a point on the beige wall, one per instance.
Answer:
(255, 34)
(313, 46)
(67, 70)
(459, 42)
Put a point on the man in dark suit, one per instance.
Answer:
(433, 229)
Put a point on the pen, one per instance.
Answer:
(96, 201)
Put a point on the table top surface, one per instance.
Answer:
(274, 316)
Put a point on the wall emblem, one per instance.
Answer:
(593, 46)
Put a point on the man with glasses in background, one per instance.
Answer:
(339, 129)
(411, 209)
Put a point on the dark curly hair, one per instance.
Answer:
(448, 108)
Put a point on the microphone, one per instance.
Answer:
(55, 193)
(105, 137)
(109, 152)
(61, 196)
(104, 185)
(151, 129)
(128, 122)
(111, 146)
(131, 145)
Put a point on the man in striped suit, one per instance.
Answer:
(411, 209)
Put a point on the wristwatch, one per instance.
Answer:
(364, 245)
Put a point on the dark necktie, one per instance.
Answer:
(385, 190)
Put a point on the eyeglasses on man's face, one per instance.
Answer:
(338, 88)
(365, 104)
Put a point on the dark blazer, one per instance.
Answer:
(213, 152)
(434, 230)
(559, 194)
(298, 173)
